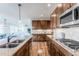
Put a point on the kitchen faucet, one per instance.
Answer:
(9, 38)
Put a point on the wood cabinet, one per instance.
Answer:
(24, 50)
(40, 38)
(55, 20)
(41, 24)
(56, 50)
(66, 6)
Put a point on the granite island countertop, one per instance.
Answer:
(11, 51)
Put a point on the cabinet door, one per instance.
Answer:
(19, 52)
(41, 24)
(26, 51)
(22, 51)
(52, 49)
(55, 50)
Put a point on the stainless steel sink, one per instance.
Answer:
(11, 45)
(18, 41)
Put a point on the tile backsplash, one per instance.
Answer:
(70, 33)
(40, 31)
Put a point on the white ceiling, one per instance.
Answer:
(28, 11)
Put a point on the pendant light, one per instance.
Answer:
(19, 21)
(19, 6)
(19, 17)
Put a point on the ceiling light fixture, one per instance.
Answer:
(19, 6)
(49, 5)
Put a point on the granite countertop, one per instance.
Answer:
(71, 51)
(11, 51)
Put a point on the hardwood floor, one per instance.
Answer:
(39, 49)
(39, 46)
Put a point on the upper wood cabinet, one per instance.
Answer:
(55, 21)
(41, 24)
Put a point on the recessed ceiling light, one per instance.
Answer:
(49, 5)
(59, 5)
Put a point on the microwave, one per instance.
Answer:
(70, 16)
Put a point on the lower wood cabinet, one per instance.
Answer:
(24, 50)
(54, 50)
(57, 51)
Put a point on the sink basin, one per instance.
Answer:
(18, 41)
(12, 44)
(9, 45)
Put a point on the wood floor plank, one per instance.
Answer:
(39, 49)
